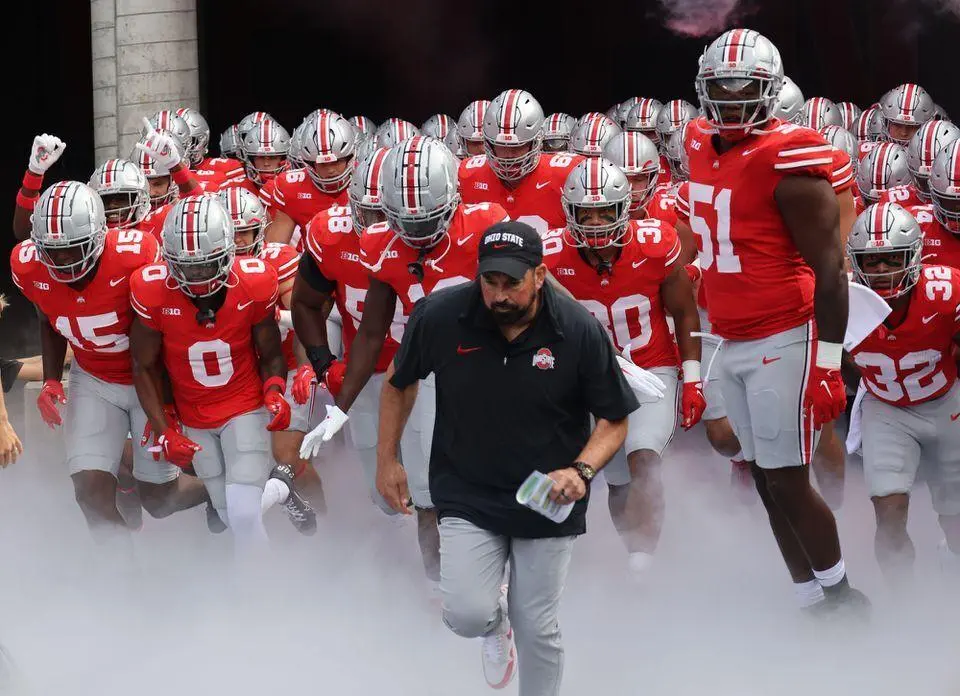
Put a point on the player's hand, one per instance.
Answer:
(278, 407)
(567, 485)
(333, 377)
(173, 421)
(646, 385)
(45, 151)
(10, 445)
(176, 447)
(160, 146)
(392, 485)
(692, 404)
(323, 433)
(51, 394)
(826, 395)
(303, 383)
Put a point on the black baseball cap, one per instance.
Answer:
(510, 247)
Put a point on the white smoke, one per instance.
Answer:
(702, 17)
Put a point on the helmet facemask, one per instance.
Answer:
(902, 138)
(905, 262)
(331, 183)
(70, 262)
(261, 172)
(423, 231)
(516, 167)
(125, 209)
(598, 235)
(641, 195)
(202, 276)
(735, 105)
(255, 246)
(161, 199)
(947, 210)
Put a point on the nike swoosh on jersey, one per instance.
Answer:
(243, 305)
(541, 184)
(116, 281)
(927, 320)
(637, 264)
(461, 242)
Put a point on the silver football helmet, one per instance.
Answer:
(68, 228)
(247, 123)
(945, 186)
(590, 138)
(884, 168)
(247, 214)
(198, 245)
(672, 116)
(327, 138)
(393, 131)
(267, 139)
(923, 149)
(420, 191)
(676, 154)
(850, 113)
(642, 117)
(637, 157)
(364, 126)
(230, 142)
(437, 126)
(886, 229)
(619, 115)
(908, 106)
(199, 141)
(124, 191)
(152, 170)
(557, 129)
(842, 139)
(470, 126)
(739, 81)
(364, 192)
(168, 122)
(597, 183)
(869, 125)
(790, 102)
(819, 112)
(513, 122)
(295, 154)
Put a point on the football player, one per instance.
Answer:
(590, 137)
(629, 274)
(940, 221)
(76, 272)
(903, 110)
(125, 193)
(44, 152)
(820, 112)
(557, 129)
(674, 114)
(208, 318)
(292, 476)
(767, 219)
(790, 102)
(428, 242)
(210, 172)
(912, 398)
(642, 118)
(230, 143)
(883, 168)
(264, 149)
(924, 147)
(393, 131)
(470, 127)
(515, 173)
(327, 149)
(850, 112)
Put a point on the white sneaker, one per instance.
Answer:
(499, 652)
(639, 564)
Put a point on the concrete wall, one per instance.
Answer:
(144, 59)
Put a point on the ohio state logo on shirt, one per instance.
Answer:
(543, 359)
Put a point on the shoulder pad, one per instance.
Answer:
(658, 239)
(257, 277)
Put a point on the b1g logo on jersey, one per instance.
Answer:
(170, 311)
(304, 196)
(40, 285)
(347, 256)
(563, 271)
(543, 359)
(931, 242)
(480, 185)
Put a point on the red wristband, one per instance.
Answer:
(27, 202)
(181, 174)
(278, 382)
(32, 180)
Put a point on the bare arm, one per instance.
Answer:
(53, 346)
(148, 372)
(378, 311)
(395, 407)
(677, 294)
(281, 228)
(812, 215)
(266, 339)
(688, 254)
(605, 440)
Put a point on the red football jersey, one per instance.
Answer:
(757, 282)
(627, 301)
(285, 261)
(295, 194)
(940, 245)
(536, 198)
(914, 362)
(905, 196)
(214, 370)
(335, 247)
(153, 223)
(663, 205)
(213, 171)
(842, 178)
(95, 320)
(665, 177)
(243, 182)
(451, 262)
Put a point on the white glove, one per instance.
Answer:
(286, 320)
(323, 433)
(646, 385)
(160, 146)
(45, 151)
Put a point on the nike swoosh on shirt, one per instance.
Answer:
(637, 264)
(541, 184)
(749, 152)
(116, 281)
(927, 320)
(461, 242)
(243, 305)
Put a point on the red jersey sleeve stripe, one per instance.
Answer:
(16, 281)
(805, 150)
(803, 163)
(674, 253)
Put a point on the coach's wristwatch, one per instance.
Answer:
(586, 472)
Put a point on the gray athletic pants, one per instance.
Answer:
(472, 565)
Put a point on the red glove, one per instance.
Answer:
(51, 393)
(176, 447)
(692, 402)
(173, 421)
(333, 379)
(693, 272)
(303, 383)
(276, 404)
(826, 395)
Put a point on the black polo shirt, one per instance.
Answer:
(505, 409)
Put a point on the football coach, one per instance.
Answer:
(520, 368)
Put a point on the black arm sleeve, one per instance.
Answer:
(313, 276)
(412, 362)
(605, 389)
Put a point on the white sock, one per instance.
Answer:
(808, 593)
(831, 576)
(244, 517)
(738, 457)
(639, 562)
(274, 493)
